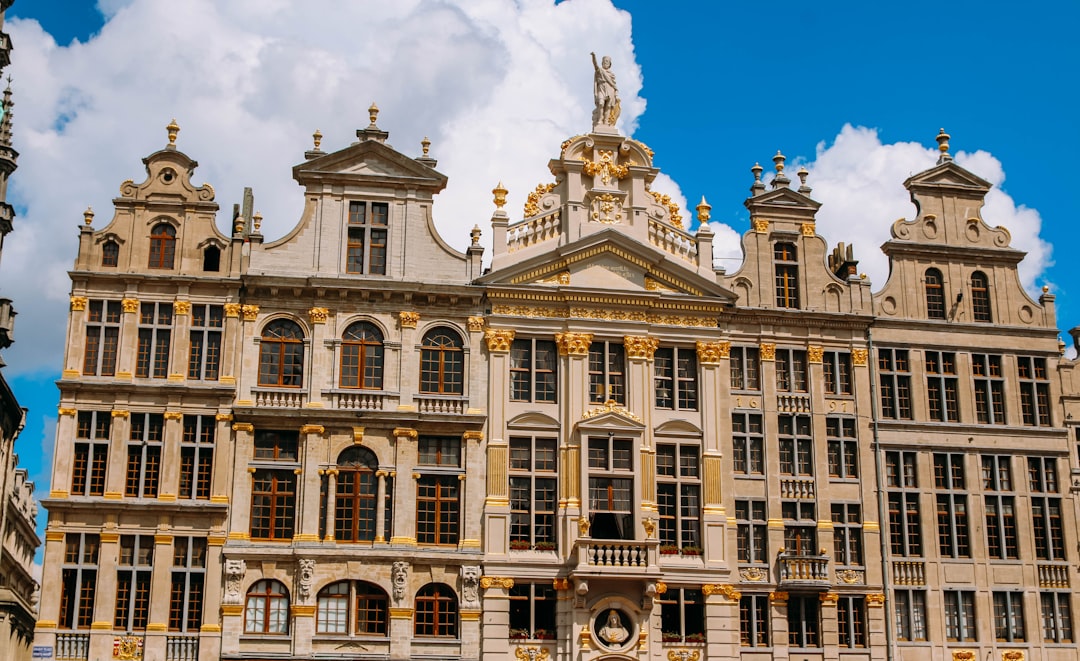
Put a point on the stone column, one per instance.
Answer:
(574, 347)
(331, 502)
(240, 507)
(76, 338)
(472, 490)
(319, 366)
(224, 444)
(778, 605)
(409, 379)
(640, 352)
(210, 631)
(116, 473)
(129, 339)
(101, 629)
(308, 484)
(231, 339)
(232, 605)
(404, 531)
(51, 584)
(181, 341)
(495, 629)
(830, 627)
(160, 587)
(713, 392)
(66, 425)
(244, 338)
(401, 631)
(497, 499)
(169, 485)
(380, 507)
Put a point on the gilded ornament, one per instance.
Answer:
(561, 584)
(661, 587)
(858, 356)
(704, 211)
(875, 600)
(753, 574)
(409, 319)
(814, 354)
(498, 340)
(88, 216)
(640, 347)
(710, 353)
(583, 526)
(232, 309)
(767, 351)
(963, 655)
(130, 305)
(173, 415)
(684, 655)
(532, 201)
(250, 312)
(475, 324)
(610, 406)
(807, 229)
(650, 527)
(130, 648)
(66, 411)
(496, 581)
(223, 417)
(605, 167)
(243, 426)
(318, 315)
(532, 653)
(78, 303)
(404, 432)
(181, 307)
(500, 195)
(120, 413)
(779, 598)
(573, 344)
(828, 598)
(674, 217)
(727, 591)
(607, 209)
(849, 576)
(1012, 655)
(760, 225)
(173, 128)
(312, 429)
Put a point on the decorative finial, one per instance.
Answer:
(500, 196)
(317, 137)
(757, 187)
(802, 174)
(779, 161)
(239, 227)
(703, 211)
(425, 145)
(1046, 289)
(173, 128)
(257, 219)
(475, 235)
(88, 216)
(373, 113)
(943, 146)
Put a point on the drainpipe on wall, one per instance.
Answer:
(886, 576)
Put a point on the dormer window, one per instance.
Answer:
(935, 294)
(786, 261)
(211, 259)
(110, 253)
(162, 246)
(980, 297)
(367, 238)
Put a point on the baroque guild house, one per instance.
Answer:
(353, 442)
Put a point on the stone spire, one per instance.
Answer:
(5, 121)
(943, 147)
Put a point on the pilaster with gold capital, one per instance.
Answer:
(118, 435)
(105, 589)
(62, 461)
(129, 337)
(76, 337)
(243, 448)
(169, 481)
(52, 585)
(315, 447)
(409, 337)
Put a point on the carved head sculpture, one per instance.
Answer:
(399, 575)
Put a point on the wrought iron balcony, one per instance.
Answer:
(799, 570)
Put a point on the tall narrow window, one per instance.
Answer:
(102, 338)
(804, 621)
(1001, 537)
(847, 534)
(675, 377)
(980, 297)
(800, 527)
(791, 370)
(837, 370)
(356, 498)
(611, 487)
(135, 565)
(110, 253)
(438, 499)
(266, 609)
(960, 616)
(532, 611)
(952, 511)
(754, 620)
(533, 492)
(281, 354)
(748, 442)
(607, 373)
(1046, 509)
(91, 456)
(188, 584)
(786, 262)
(533, 371)
(905, 532)
(745, 368)
(851, 621)
(941, 389)
(144, 455)
(682, 616)
(843, 445)
(436, 612)
(204, 348)
(752, 527)
(442, 363)
(935, 294)
(162, 246)
(79, 580)
(362, 357)
(678, 494)
(796, 445)
(366, 252)
(910, 615)
(155, 339)
(1056, 617)
(989, 389)
(211, 259)
(1009, 617)
(273, 504)
(894, 371)
(1034, 391)
(197, 456)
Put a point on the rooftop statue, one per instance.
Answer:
(605, 92)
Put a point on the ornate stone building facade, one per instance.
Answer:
(353, 443)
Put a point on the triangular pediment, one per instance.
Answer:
(369, 159)
(949, 175)
(784, 198)
(610, 416)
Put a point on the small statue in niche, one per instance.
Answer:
(613, 632)
(605, 93)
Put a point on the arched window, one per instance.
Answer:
(267, 608)
(110, 253)
(786, 262)
(162, 246)
(355, 504)
(352, 607)
(362, 357)
(442, 362)
(980, 297)
(436, 612)
(935, 294)
(211, 259)
(281, 354)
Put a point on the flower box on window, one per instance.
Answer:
(669, 549)
(519, 545)
(691, 550)
(670, 637)
(543, 634)
(519, 634)
(544, 546)
(695, 638)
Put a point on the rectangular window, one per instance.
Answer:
(135, 564)
(851, 620)
(905, 533)
(796, 445)
(676, 379)
(959, 616)
(79, 580)
(188, 582)
(837, 369)
(533, 371)
(941, 387)
(155, 340)
(1009, 617)
(533, 492)
(438, 510)
(273, 504)
(204, 351)
(754, 620)
(894, 372)
(144, 455)
(607, 373)
(752, 529)
(989, 389)
(843, 445)
(1056, 617)
(791, 370)
(745, 368)
(910, 615)
(800, 527)
(197, 456)
(1034, 391)
(1001, 538)
(532, 611)
(102, 338)
(442, 451)
(749, 443)
(678, 494)
(786, 263)
(367, 232)
(682, 615)
(1046, 521)
(276, 445)
(91, 453)
(804, 621)
(847, 534)
(611, 487)
(951, 500)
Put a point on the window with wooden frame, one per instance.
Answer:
(960, 623)
(675, 378)
(980, 297)
(532, 611)
(843, 447)
(438, 490)
(197, 456)
(611, 487)
(847, 534)
(367, 238)
(935, 294)
(266, 608)
(894, 374)
(1034, 391)
(754, 620)
(804, 621)
(442, 362)
(796, 445)
(277, 445)
(188, 584)
(361, 357)
(347, 608)
(786, 264)
(204, 346)
(905, 523)
(436, 614)
(682, 615)
(748, 440)
(678, 494)
(155, 340)
(800, 527)
(162, 246)
(1057, 622)
(102, 338)
(989, 389)
(1009, 617)
(745, 365)
(281, 354)
(941, 386)
(910, 606)
(952, 505)
(836, 366)
(534, 369)
(851, 621)
(356, 496)
(91, 453)
(79, 580)
(134, 567)
(533, 492)
(791, 371)
(607, 372)
(273, 504)
(110, 253)
(752, 531)
(1000, 507)
(1046, 519)
(144, 445)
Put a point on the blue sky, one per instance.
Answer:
(722, 85)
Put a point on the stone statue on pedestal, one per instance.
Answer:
(605, 92)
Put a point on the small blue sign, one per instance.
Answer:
(42, 652)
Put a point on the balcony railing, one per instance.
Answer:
(793, 403)
(534, 230)
(279, 398)
(798, 570)
(907, 572)
(182, 648)
(1054, 576)
(72, 646)
(797, 488)
(617, 554)
(361, 400)
(442, 404)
